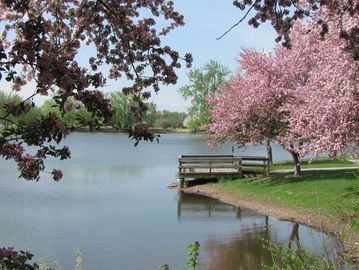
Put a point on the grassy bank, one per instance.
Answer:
(326, 196)
(335, 193)
(330, 195)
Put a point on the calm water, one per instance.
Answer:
(113, 204)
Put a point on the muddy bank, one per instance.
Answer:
(350, 243)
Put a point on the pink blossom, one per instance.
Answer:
(57, 174)
(305, 98)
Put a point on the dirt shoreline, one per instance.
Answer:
(350, 243)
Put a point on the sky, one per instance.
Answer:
(205, 21)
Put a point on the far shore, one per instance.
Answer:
(155, 130)
(350, 243)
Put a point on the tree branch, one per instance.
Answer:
(235, 25)
(21, 103)
(81, 28)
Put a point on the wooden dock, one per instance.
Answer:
(219, 166)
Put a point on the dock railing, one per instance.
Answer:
(219, 166)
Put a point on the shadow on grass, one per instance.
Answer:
(352, 191)
(307, 176)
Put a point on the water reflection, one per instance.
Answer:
(238, 250)
(192, 207)
(114, 205)
(240, 253)
(243, 248)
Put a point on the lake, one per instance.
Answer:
(114, 205)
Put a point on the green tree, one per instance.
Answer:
(151, 114)
(174, 118)
(75, 115)
(69, 116)
(34, 114)
(84, 118)
(6, 99)
(203, 81)
(29, 114)
(120, 104)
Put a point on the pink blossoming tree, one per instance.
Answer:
(325, 110)
(284, 14)
(247, 110)
(305, 98)
(41, 41)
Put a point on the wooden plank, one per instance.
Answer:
(209, 156)
(206, 166)
(219, 165)
(254, 158)
(224, 156)
(254, 165)
(208, 162)
(206, 158)
(216, 159)
(206, 173)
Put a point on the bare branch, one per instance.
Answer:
(235, 25)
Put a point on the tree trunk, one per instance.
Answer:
(297, 170)
(269, 152)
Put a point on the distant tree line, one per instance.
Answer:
(76, 116)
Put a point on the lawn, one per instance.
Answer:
(335, 192)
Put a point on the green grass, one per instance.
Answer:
(321, 162)
(335, 192)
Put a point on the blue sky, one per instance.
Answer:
(205, 20)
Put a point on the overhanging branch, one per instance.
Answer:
(235, 25)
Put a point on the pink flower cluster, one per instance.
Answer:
(57, 174)
(305, 98)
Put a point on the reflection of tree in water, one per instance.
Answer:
(294, 237)
(242, 250)
(245, 252)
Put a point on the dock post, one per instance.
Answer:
(180, 182)
(268, 168)
(239, 165)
